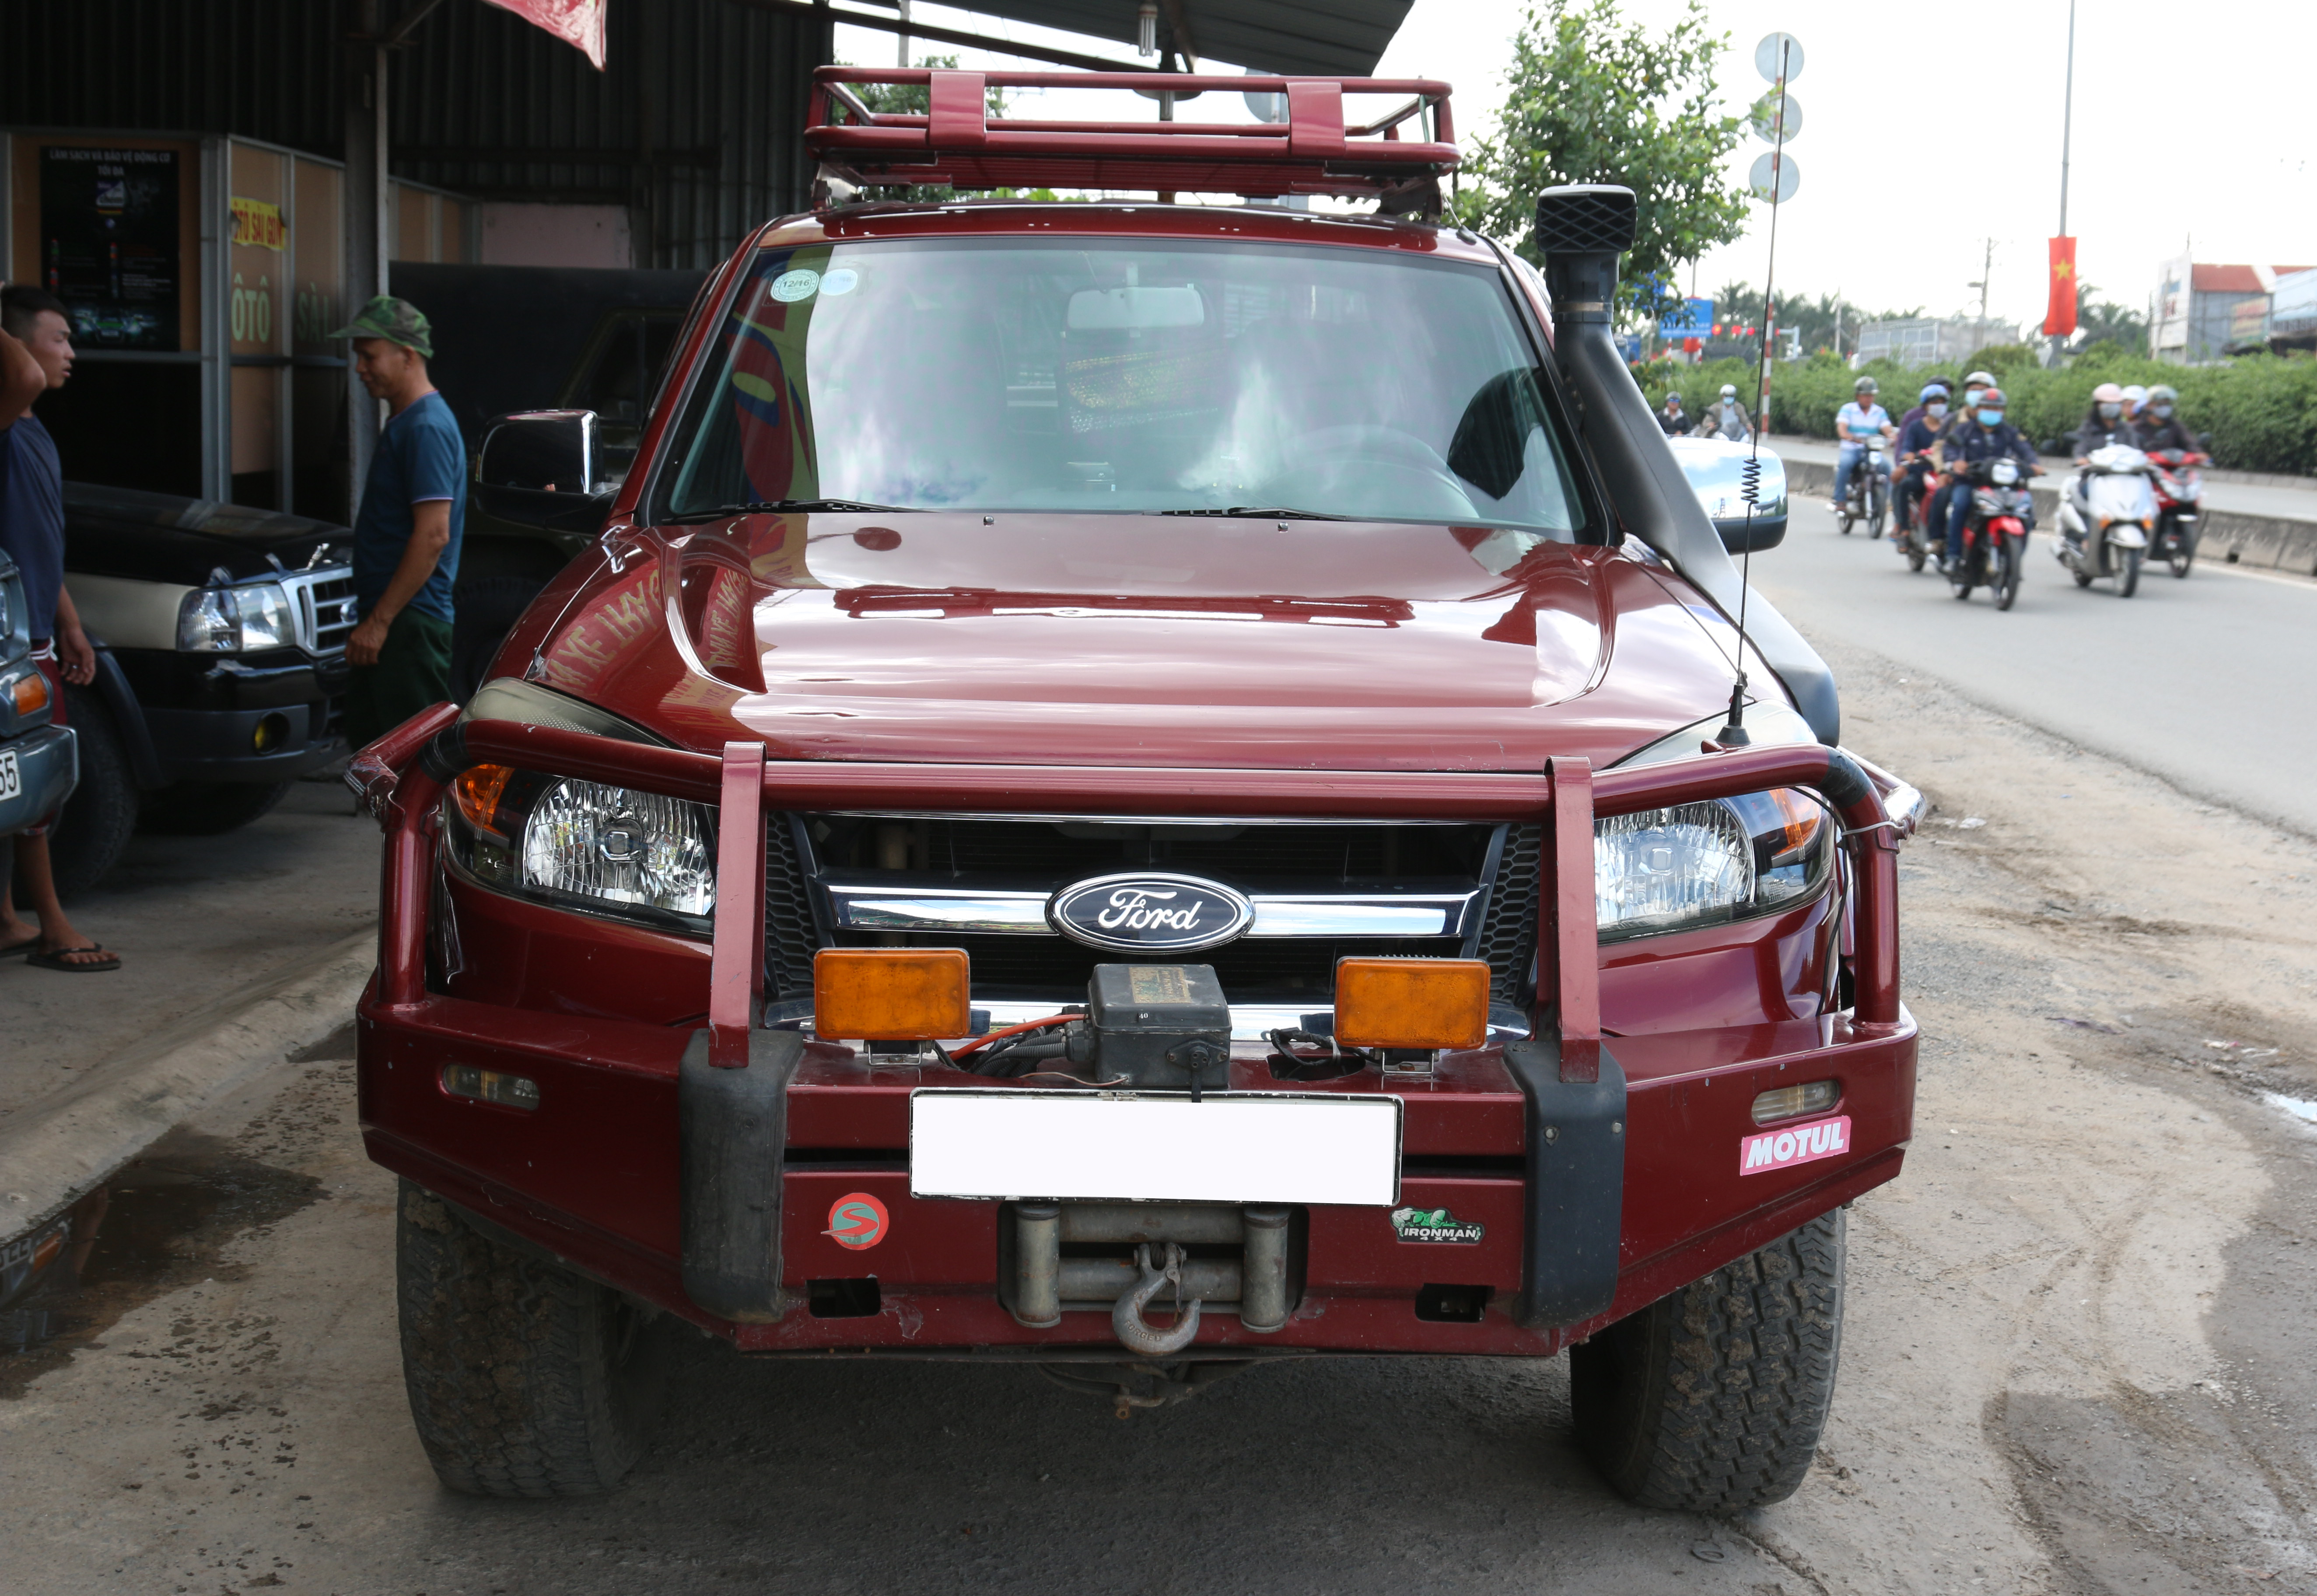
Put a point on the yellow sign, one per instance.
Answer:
(257, 225)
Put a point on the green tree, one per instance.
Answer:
(914, 99)
(1591, 97)
(2100, 322)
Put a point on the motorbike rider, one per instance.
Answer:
(1673, 420)
(1726, 418)
(2160, 424)
(1918, 434)
(2134, 397)
(1857, 422)
(2103, 424)
(1943, 495)
(1982, 434)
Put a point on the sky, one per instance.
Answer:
(1926, 130)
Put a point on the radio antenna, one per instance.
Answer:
(1779, 59)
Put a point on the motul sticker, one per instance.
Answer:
(1436, 1224)
(856, 1220)
(1796, 1145)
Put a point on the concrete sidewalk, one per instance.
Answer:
(2259, 525)
(237, 951)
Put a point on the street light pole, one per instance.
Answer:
(2067, 133)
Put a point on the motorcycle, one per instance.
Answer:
(2179, 507)
(1995, 530)
(1911, 531)
(1869, 498)
(2105, 518)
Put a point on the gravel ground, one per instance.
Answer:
(2076, 1359)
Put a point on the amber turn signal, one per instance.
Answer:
(477, 790)
(30, 693)
(1411, 1002)
(902, 994)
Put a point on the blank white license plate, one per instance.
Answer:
(11, 782)
(1236, 1147)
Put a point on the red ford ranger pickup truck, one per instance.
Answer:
(1140, 789)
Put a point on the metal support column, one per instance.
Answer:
(366, 220)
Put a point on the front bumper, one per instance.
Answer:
(1586, 1180)
(270, 718)
(47, 768)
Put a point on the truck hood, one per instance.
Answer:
(164, 537)
(1133, 639)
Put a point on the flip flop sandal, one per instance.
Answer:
(58, 961)
(16, 950)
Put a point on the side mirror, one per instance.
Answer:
(1716, 469)
(2204, 443)
(544, 469)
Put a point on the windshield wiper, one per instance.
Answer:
(795, 506)
(1276, 512)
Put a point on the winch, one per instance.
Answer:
(1130, 1259)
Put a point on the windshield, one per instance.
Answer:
(1125, 376)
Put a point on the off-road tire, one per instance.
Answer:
(1713, 1399)
(485, 609)
(207, 808)
(524, 1378)
(101, 816)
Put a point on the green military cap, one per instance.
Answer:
(398, 321)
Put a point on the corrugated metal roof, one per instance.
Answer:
(1342, 37)
(695, 125)
(2229, 279)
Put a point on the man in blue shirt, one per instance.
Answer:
(414, 509)
(37, 327)
(1857, 423)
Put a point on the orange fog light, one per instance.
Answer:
(32, 693)
(478, 790)
(916, 994)
(1411, 1002)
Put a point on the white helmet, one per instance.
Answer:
(1729, 391)
(2136, 395)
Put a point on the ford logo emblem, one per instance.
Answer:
(1150, 913)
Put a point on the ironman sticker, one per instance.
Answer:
(1794, 1145)
(856, 1220)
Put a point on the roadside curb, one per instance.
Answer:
(70, 1146)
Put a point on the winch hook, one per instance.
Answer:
(1126, 1314)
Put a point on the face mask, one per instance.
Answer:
(2110, 412)
(1935, 412)
(2162, 412)
(1991, 417)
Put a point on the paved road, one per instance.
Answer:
(2204, 682)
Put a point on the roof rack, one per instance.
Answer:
(1313, 151)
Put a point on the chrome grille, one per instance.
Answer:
(824, 874)
(324, 604)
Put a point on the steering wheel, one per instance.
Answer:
(1387, 448)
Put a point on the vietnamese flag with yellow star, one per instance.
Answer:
(2060, 315)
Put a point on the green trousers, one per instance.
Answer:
(413, 673)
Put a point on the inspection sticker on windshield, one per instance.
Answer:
(799, 284)
(843, 280)
(1796, 1145)
(1436, 1224)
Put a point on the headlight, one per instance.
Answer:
(236, 620)
(583, 845)
(1705, 864)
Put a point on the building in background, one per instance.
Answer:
(1925, 340)
(2293, 312)
(2196, 314)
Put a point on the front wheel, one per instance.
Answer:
(2006, 573)
(1713, 1400)
(524, 1380)
(1878, 510)
(2127, 572)
(1916, 553)
(2181, 553)
(99, 817)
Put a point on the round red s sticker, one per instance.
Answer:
(856, 1220)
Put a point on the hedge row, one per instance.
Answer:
(2261, 410)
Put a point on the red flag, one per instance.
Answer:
(2060, 316)
(574, 22)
